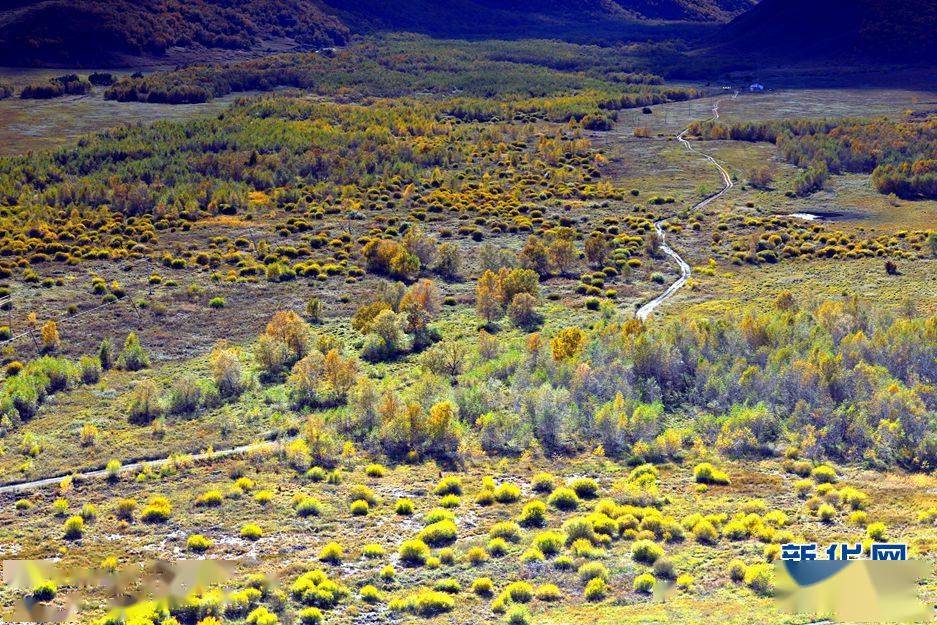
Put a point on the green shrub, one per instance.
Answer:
(533, 514)
(705, 532)
(579, 528)
(74, 527)
(549, 542)
(332, 553)
(413, 552)
(646, 551)
(507, 493)
(89, 512)
(404, 507)
(310, 616)
(446, 556)
(210, 498)
(482, 586)
(548, 592)
(439, 533)
(372, 550)
(585, 487)
(448, 585)
(543, 482)
(133, 357)
(45, 591)
(877, 531)
(438, 514)
(497, 547)
(198, 543)
(485, 497)
(518, 592)
(125, 508)
(369, 594)
(426, 603)
(144, 403)
(316, 474)
(59, 507)
(564, 499)
(507, 530)
(737, 570)
(705, 473)
(375, 470)
(450, 485)
(360, 492)
(316, 589)
(450, 501)
(309, 506)
(251, 531)
(644, 583)
(89, 369)
(518, 615)
(262, 616)
(591, 570)
(759, 577)
(823, 474)
(476, 556)
(157, 510)
(596, 589)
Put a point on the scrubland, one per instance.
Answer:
(412, 313)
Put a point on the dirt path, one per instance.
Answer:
(685, 272)
(127, 468)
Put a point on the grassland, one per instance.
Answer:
(430, 297)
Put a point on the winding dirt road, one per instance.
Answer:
(685, 272)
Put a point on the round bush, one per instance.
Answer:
(310, 616)
(518, 615)
(644, 583)
(331, 553)
(549, 542)
(585, 487)
(759, 577)
(198, 543)
(450, 485)
(508, 530)
(564, 499)
(737, 570)
(592, 570)
(646, 551)
(251, 531)
(596, 589)
(413, 552)
(404, 507)
(533, 514)
(440, 533)
(482, 586)
(543, 482)
(823, 474)
(507, 493)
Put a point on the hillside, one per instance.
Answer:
(86, 32)
(834, 30)
(513, 18)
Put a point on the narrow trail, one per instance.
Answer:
(685, 272)
(20, 487)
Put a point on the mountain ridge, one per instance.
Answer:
(102, 32)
